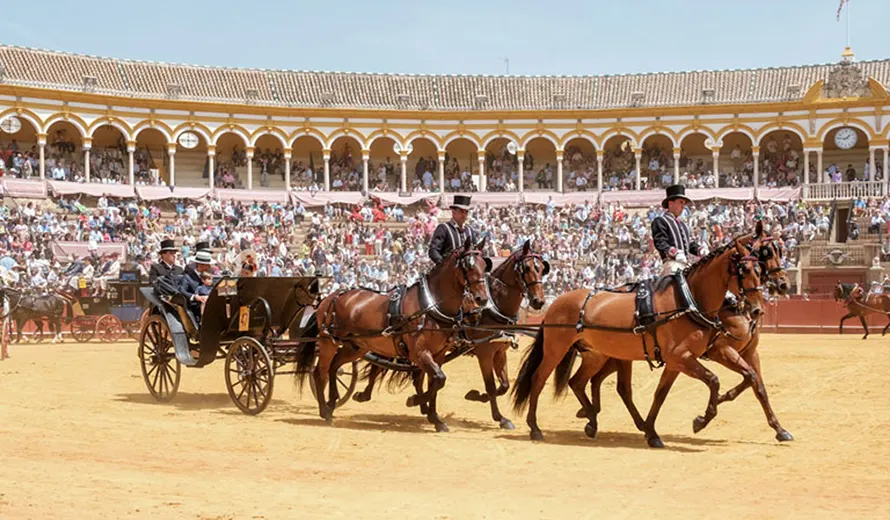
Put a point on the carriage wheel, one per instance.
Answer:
(109, 328)
(250, 375)
(82, 329)
(160, 368)
(347, 379)
(37, 335)
(133, 329)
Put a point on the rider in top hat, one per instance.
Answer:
(167, 264)
(452, 235)
(671, 235)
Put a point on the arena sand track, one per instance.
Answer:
(81, 438)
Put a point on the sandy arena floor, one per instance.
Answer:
(81, 438)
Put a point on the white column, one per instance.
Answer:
(715, 154)
(884, 171)
(250, 167)
(131, 167)
(480, 155)
(441, 171)
(819, 169)
(87, 144)
(366, 155)
(326, 154)
(171, 153)
(559, 154)
(287, 156)
(211, 155)
(599, 170)
(755, 152)
(638, 156)
(676, 166)
(41, 143)
(403, 159)
(520, 156)
(871, 164)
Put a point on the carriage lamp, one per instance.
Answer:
(227, 288)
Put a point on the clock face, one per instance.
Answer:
(188, 140)
(11, 125)
(845, 138)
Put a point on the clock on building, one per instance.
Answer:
(188, 140)
(11, 125)
(845, 138)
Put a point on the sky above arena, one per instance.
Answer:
(571, 37)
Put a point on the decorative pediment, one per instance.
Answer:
(846, 80)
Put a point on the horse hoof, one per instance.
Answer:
(361, 398)
(784, 436)
(536, 435)
(442, 428)
(655, 442)
(590, 430)
(473, 395)
(698, 424)
(581, 414)
(507, 424)
(411, 401)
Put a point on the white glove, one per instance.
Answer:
(680, 258)
(703, 251)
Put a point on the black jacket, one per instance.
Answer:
(160, 269)
(672, 236)
(447, 238)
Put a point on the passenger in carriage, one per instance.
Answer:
(191, 285)
(167, 264)
(454, 234)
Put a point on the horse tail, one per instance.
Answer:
(306, 353)
(531, 360)
(564, 372)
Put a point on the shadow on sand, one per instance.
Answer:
(190, 402)
(634, 440)
(404, 423)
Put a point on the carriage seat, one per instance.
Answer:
(189, 322)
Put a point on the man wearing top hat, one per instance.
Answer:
(671, 235)
(167, 264)
(191, 284)
(452, 235)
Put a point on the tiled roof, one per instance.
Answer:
(52, 69)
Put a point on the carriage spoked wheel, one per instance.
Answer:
(250, 375)
(347, 380)
(83, 329)
(160, 368)
(109, 328)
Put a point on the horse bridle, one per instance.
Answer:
(768, 249)
(521, 269)
(463, 263)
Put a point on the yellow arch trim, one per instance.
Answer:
(27, 115)
(622, 131)
(850, 121)
(542, 134)
(390, 134)
(74, 119)
(742, 129)
(160, 126)
(272, 130)
(585, 135)
(425, 134)
(348, 132)
(791, 127)
(457, 134)
(658, 130)
(231, 128)
(497, 134)
(307, 131)
(690, 130)
(115, 122)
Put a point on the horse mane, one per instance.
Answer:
(709, 257)
(513, 256)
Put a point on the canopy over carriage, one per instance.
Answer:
(255, 324)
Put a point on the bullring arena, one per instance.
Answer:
(76, 440)
(295, 188)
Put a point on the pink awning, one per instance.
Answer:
(24, 188)
(91, 188)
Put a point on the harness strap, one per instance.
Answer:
(580, 325)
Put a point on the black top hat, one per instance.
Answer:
(202, 246)
(461, 202)
(676, 191)
(168, 245)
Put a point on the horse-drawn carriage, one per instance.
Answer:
(255, 324)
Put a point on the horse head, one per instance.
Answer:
(530, 269)
(462, 277)
(749, 277)
(769, 254)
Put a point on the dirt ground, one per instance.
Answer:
(81, 438)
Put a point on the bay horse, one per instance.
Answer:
(735, 350)
(520, 275)
(352, 322)
(603, 326)
(852, 296)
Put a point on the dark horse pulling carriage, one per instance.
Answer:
(254, 324)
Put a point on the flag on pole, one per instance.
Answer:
(839, 8)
